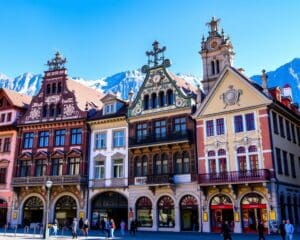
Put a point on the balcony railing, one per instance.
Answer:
(154, 139)
(112, 182)
(40, 181)
(235, 176)
(160, 179)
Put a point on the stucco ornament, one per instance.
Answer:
(231, 96)
(69, 109)
(34, 113)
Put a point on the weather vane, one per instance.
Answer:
(156, 57)
(57, 62)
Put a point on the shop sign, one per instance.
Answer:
(236, 217)
(272, 215)
(205, 217)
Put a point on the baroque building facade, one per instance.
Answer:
(238, 153)
(52, 145)
(12, 106)
(108, 162)
(162, 151)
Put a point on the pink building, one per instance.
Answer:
(12, 105)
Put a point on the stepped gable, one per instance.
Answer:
(85, 95)
(18, 99)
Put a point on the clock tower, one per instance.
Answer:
(216, 52)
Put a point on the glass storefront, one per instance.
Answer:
(3, 212)
(166, 212)
(65, 211)
(33, 211)
(189, 213)
(144, 214)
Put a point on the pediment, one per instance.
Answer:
(74, 152)
(25, 156)
(41, 155)
(100, 157)
(58, 154)
(118, 155)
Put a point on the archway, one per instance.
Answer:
(254, 209)
(221, 209)
(65, 210)
(33, 211)
(3, 212)
(189, 213)
(166, 212)
(144, 213)
(109, 205)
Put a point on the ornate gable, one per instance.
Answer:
(160, 90)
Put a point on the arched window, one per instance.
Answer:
(144, 212)
(45, 110)
(138, 167)
(178, 163)
(222, 160)
(161, 99)
(218, 66)
(241, 157)
(253, 156)
(186, 162)
(48, 89)
(212, 67)
(144, 165)
(170, 97)
(52, 110)
(58, 109)
(157, 164)
(164, 159)
(166, 212)
(212, 161)
(153, 100)
(59, 87)
(53, 87)
(146, 102)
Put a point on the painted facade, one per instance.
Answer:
(12, 106)
(108, 163)
(162, 151)
(52, 145)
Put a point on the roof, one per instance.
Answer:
(85, 95)
(99, 114)
(18, 99)
(183, 84)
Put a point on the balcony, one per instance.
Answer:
(153, 139)
(41, 181)
(109, 183)
(235, 177)
(163, 179)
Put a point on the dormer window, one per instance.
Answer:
(109, 108)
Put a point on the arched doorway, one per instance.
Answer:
(3, 212)
(144, 214)
(166, 212)
(254, 209)
(33, 210)
(65, 211)
(109, 204)
(221, 209)
(189, 213)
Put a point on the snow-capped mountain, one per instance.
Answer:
(122, 82)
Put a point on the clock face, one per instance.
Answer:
(213, 44)
(156, 78)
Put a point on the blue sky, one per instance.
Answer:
(103, 37)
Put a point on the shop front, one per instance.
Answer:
(166, 212)
(221, 209)
(144, 214)
(189, 213)
(109, 205)
(254, 210)
(3, 212)
(33, 210)
(65, 211)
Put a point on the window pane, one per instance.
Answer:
(250, 125)
(238, 123)
(220, 126)
(209, 128)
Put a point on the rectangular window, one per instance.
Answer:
(101, 140)
(6, 146)
(3, 175)
(109, 108)
(99, 170)
(285, 163)
(9, 117)
(209, 128)
(59, 137)
(293, 133)
(288, 131)
(141, 132)
(118, 168)
(119, 139)
(28, 140)
(24, 168)
(250, 123)
(180, 125)
(76, 134)
(43, 139)
(220, 126)
(293, 169)
(160, 129)
(73, 166)
(40, 168)
(57, 167)
(278, 160)
(282, 134)
(238, 124)
(275, 123)
(2, 117)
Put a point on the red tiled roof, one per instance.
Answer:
(18, 99)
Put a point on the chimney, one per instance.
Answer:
(264, 83)
(241, 70)
(130, 96)
(287, 91)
